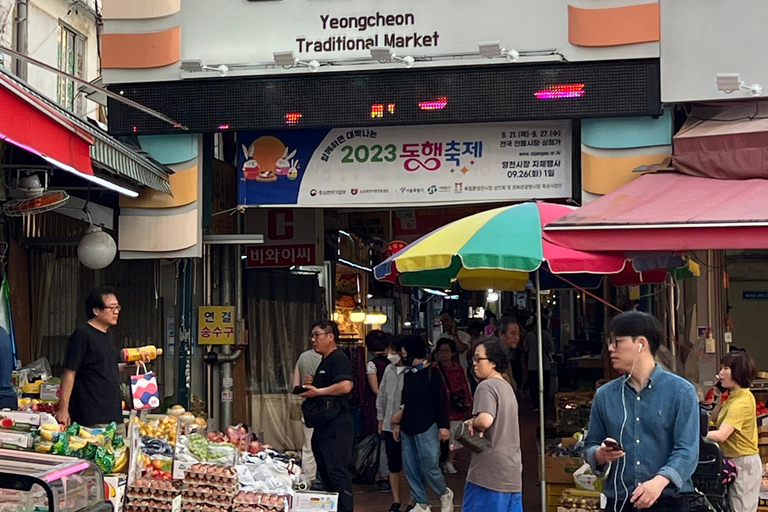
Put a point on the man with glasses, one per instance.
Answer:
(332, 437)
(90, 384)
(644, 425)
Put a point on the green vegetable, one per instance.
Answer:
(61, 446)
(73, 429)
(104, 459)
(198, 446)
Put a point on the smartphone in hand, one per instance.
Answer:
(299, 390)
(612, 445)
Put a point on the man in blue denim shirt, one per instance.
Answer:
(644, 426)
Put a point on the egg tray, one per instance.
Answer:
(205, 488)
(146, 508)
(149, 502)
(219, 499)
(212, 472)
(253, 508)
(268, 501)
(156, 494)
(202, 507)
(198, 479)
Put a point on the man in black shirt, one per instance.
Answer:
(90, 384)
(332, 440)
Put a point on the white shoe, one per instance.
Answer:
(449, 468)
(446, 501)
(421, 508)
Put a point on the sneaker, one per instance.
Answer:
(446, 501)
(424, 508)
(384, 486)
(395, 507)
(449, 468)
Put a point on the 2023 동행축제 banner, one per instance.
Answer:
(406, 166)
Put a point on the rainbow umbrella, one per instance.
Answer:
(496, 249)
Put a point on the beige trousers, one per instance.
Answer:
(744, 493)
(308, 464)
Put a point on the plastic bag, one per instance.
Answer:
(586, 480)
(365, 457)
(39, 369)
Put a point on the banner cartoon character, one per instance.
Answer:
(267, 158)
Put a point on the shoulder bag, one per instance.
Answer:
(320, 410)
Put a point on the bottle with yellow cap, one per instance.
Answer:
(134, 354)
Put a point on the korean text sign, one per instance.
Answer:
(407, 165)
(216, 325)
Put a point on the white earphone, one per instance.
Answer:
(639, 348)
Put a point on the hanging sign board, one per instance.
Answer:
(216, 325)
(406, 165)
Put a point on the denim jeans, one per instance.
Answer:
(421, 453)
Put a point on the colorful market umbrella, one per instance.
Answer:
(494, 249)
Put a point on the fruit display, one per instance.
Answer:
(761, 409)
(579, 501)
(164, 428)
(104, 448)
(37, 405)
(195, 447)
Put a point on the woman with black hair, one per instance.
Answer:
(737, 430)
(421, 423)
(494, 480)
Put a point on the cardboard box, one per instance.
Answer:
(315, 502)
(114, 490)
(49, 391)
(560, 470)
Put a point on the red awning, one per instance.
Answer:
(669, 212)
(32, 125)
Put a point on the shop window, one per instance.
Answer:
(71, 59)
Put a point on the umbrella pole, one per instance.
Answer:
(542, 442)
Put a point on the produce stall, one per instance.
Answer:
(38, 482)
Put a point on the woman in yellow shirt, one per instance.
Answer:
(737, 430)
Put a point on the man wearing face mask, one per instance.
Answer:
(387, 403)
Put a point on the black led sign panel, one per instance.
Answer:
(398, 97)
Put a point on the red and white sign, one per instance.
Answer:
(278, 256)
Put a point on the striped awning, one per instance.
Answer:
(109, 156)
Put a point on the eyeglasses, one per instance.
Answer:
(115, 309)
(478, 359)
(614, 341)
(315, 335)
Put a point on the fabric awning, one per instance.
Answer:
(669, 212)
(32, 125)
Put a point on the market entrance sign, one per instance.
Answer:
(409, 165)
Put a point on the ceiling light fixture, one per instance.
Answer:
(491, 49)
(384, 54)
(289, 60)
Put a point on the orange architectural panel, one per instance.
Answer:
(614, 26)
(183, 186)
(139, 51)
(602, 174)
(139, 9)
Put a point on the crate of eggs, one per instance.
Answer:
(247, 501)
(149, 495)
(208, 488)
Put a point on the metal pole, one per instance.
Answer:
(542, 442)
(673, 322)
(21, 38)
(226, 350)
